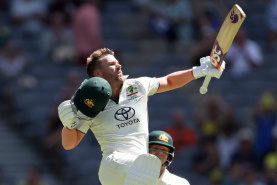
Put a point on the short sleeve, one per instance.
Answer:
(151, 85)
(83, 126)
(169, 178)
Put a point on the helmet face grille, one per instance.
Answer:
(169, 159)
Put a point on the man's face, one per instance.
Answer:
(110, 70)
(160, 151)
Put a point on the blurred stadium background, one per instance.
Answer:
(42, 54)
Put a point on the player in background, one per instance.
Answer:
(121, 128)
(161, 145)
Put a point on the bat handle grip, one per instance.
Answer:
(204, 88)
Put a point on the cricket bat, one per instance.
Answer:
(224, 39)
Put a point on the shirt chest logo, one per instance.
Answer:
(124, 113)
(132, 91)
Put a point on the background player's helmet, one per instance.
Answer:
(159, 137)
(92, 96)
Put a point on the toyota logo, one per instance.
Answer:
(124, 113)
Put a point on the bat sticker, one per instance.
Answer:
(234, 17)
(216, 55)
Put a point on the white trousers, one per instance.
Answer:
(114, 167)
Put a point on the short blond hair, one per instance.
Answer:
(93, 60)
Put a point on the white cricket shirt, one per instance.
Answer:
(168, 178)
(123, 127)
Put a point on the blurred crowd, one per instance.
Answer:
(226, 150)
(195, 24)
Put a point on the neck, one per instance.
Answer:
(116, 87)
(116, 91)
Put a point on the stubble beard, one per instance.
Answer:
(120, 78)
(116, 82)
(119, 81)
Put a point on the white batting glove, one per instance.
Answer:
(206, 69)
(67, 116)
(70, 116)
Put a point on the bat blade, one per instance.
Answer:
(224, 39)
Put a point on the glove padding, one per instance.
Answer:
(68, 116)
(206, 69)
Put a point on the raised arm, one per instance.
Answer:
(175, 80)
(180, 78)
(71, 138)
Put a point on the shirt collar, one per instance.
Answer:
(164, 177)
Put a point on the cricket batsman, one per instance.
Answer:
(114, 108)
(161, 145)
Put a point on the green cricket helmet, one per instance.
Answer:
(92, 96)
(159, 137)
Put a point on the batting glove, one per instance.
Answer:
(206, 69)
(67, 115)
